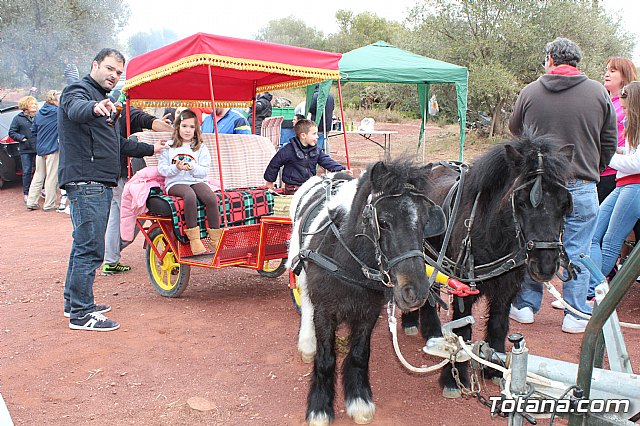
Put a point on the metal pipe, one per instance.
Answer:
(519, 354)
(619, 287)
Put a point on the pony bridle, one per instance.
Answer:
(370, 216)
(535, 196)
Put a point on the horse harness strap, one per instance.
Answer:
(330, 266)
(465, 261)
(384, 265)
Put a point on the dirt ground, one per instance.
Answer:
(230, 340)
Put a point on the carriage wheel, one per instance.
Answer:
(168, 277)
(296, 297)
(273, 268)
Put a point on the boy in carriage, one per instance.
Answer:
(299, 158)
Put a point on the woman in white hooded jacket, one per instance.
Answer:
(621, 209)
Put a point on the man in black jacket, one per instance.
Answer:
(89, 167)
(263, 110)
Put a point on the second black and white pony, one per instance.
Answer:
(356, 244)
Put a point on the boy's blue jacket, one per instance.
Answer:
(299, 163)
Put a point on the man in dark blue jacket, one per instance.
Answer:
(300, 158)
(324, 126)
(90, 150)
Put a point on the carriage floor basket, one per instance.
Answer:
(281, 205)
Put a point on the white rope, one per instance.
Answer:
(558, 296)
(393, 328)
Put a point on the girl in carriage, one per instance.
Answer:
(185, 166)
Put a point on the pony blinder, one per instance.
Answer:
(436, 222)
(535, 196)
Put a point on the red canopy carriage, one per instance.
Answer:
(205, 71)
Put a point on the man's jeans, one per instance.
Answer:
(578, 232)
(113, 243)
(89, 212)
(617, 217)
(323, 143)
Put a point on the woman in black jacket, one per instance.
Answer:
(20, 131)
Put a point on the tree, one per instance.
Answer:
(292, 32)
(362, 29)
(142, 42)
(38, 36)
(502, 42)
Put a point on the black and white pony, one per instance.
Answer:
(511, 215)
(357, 243)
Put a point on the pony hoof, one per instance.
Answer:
(316, 419)
(411, 331)
(451, 393)
(361, 411)
(307, 358)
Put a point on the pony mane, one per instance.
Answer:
(493, 172)
(391, 177)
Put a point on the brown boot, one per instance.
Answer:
(193, 234)
(214, 237)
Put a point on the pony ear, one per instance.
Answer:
(426, 169)
(567, 151)
(378, 174)
(514, 158)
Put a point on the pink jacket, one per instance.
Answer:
(134, 199)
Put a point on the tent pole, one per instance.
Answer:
(215, 130)
(253, 110)
(424, 126)
(344, 132)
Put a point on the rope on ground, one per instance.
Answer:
(558, 296)
(393, 327)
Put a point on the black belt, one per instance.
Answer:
(87, 182)
(576, 181)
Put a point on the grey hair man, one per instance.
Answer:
(567, 105)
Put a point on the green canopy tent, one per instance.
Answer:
(381, 62)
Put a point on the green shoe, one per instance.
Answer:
(117, 268)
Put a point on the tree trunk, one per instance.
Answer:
(496, 119)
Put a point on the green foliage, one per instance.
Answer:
(502, 42)
(38, 36)
(293, 32)
(362, 29)
(142, 42)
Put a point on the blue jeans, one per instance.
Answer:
(617, 217)
(28, 161)
(578, 232)
(321, 143)
(89, 213)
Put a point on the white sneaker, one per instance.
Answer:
(573, 325)
(523, 316)
(557, 304)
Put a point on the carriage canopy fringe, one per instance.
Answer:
(309, 75)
